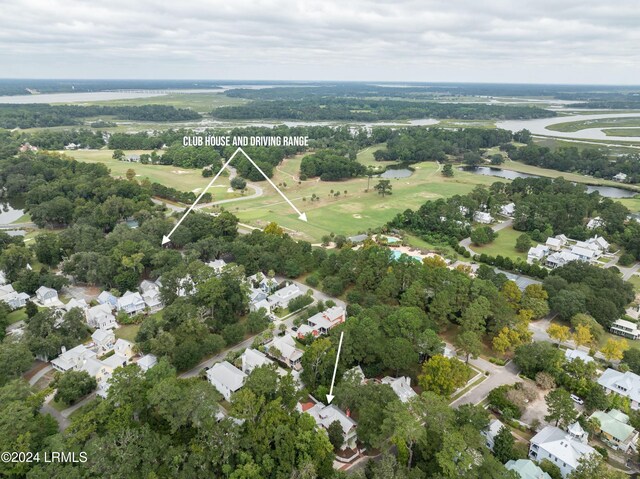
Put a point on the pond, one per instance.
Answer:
(399, 173)
(606, 191)
(10, 211)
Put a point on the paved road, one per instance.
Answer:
(46, 408)
(17, 226)
(70, 410)
(498, 376)
(39, 374)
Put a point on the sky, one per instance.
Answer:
(540, 41)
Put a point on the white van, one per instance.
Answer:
(576, 399)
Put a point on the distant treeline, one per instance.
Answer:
(592, 161)
(610, 104)
(42, 115)
(23, 86)
(348, 109)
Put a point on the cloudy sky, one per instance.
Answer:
(537, 41)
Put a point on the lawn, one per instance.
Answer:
(17, 315)
(503, 245)
(443, 249)
(366, 156)
(179, 178)
(128, 332)
(635, 281)
(349, 213)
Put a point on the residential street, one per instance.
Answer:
(498, 376)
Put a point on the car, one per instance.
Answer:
(576, 399)
(295, 328)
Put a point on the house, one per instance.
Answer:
(281, 298)
(508, 210)
(107, 298)
(147, 361)
(584, 254)
(72, 359)
(262, 282)
(615, 431)
(491, 432)
(355, 373)
(526, 469)
(321, 323)
(3, 278)
(217, 265)
(625, 328)
(252, 358)
(560, 258)
(14, 299)
(103, 339)
(226, 378)
(358, 238)
(482, 217)
(325, 415)
(594, 223)
(284, 348)
(620, 177)
(624, 384)
(571, 354)
(151, 295)
(101, 317)
(262, 304)
(564, 449)
(537, 253)
(554, 244)
(401, 386)
(76, 303)
(131, 303)
(598, 243)
(47, 296)
(124, 348)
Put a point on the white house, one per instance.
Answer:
(594, 223)
(625, 328)
(281, 298)
(537, 253)
(76, 303)
(615, 431)
(554, 244)
(560, 258)
(284, 348)
(107, 298)
(101, 317)
(131, 303)
(217, 265)
(325, 415)
(151, 295)
(72, 359)
(14, 299)
(321, 323)
(47, 296)
(508, 210)
(482, 217)
(401, 386)
(103, 339)
(262, 282)
(147, 361)
(226, 378)
(624, 384)
(491, 432)
(620, 177)
(599, 243)
(584, 254)
(124, 348)
(252, 358)
(571, 354)
(564, 449)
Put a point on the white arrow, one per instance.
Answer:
(301, 216)
(330, 396)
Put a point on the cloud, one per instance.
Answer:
(428, 40)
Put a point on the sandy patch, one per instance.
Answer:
(357, 216)
(179, 172)
(196, 190)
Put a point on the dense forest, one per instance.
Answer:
(348, 109)
(22, 86)
(330, 165)
(42, 115)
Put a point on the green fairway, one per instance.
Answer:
(366, 156)
(200, 102)
(504, 245)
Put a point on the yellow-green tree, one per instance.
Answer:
(582, 335)
(442, 375)
(559, 333)
(614, 349)
(273, 229)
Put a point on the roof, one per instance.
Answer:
(122, 344)
(401, 386)
(147, 285)
(614, 423)
(76, 303)
(100, 335)
(555, 242)
(626, 384)
(129, 298)
(526, 469)
(325, 415)
(538, 251)
(493, 429)
(358, 238)
(625, 324)
(227, 374)
(105, 296)
(521, 281)
(42, 290)
(587, 253)
(147, 361)
(560, 444)
(252, 358)
(287, 347)
(69, 359)
(571, 354)
(115, 361)
(99, 310)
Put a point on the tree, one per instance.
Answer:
(15, 359)
(398, 354)
(594, 465)
(443, 375)
(560, 407)
(550, 468)
(238, 183)
(130, 174)
(503, 445)
(631, 357)
(545, 380)
(582, 336)
(523, 243)
(336, 435)
(559, 333)
(383, 187)
(73, 385)
(614, 349)
(273, 229)
(447, 170)
(118, 155)
(483, 235)
(469, 342)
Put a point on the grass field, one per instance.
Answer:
(366, 156)
(571, 126)
(355, 211)
(445, 250)
(200, 102)
(127, 332)
(622, 131)
(17, 315)
(503, 245)
(635, 281)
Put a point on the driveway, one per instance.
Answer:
(466, 243)
(498, 376)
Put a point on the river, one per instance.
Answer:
(606, 191)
